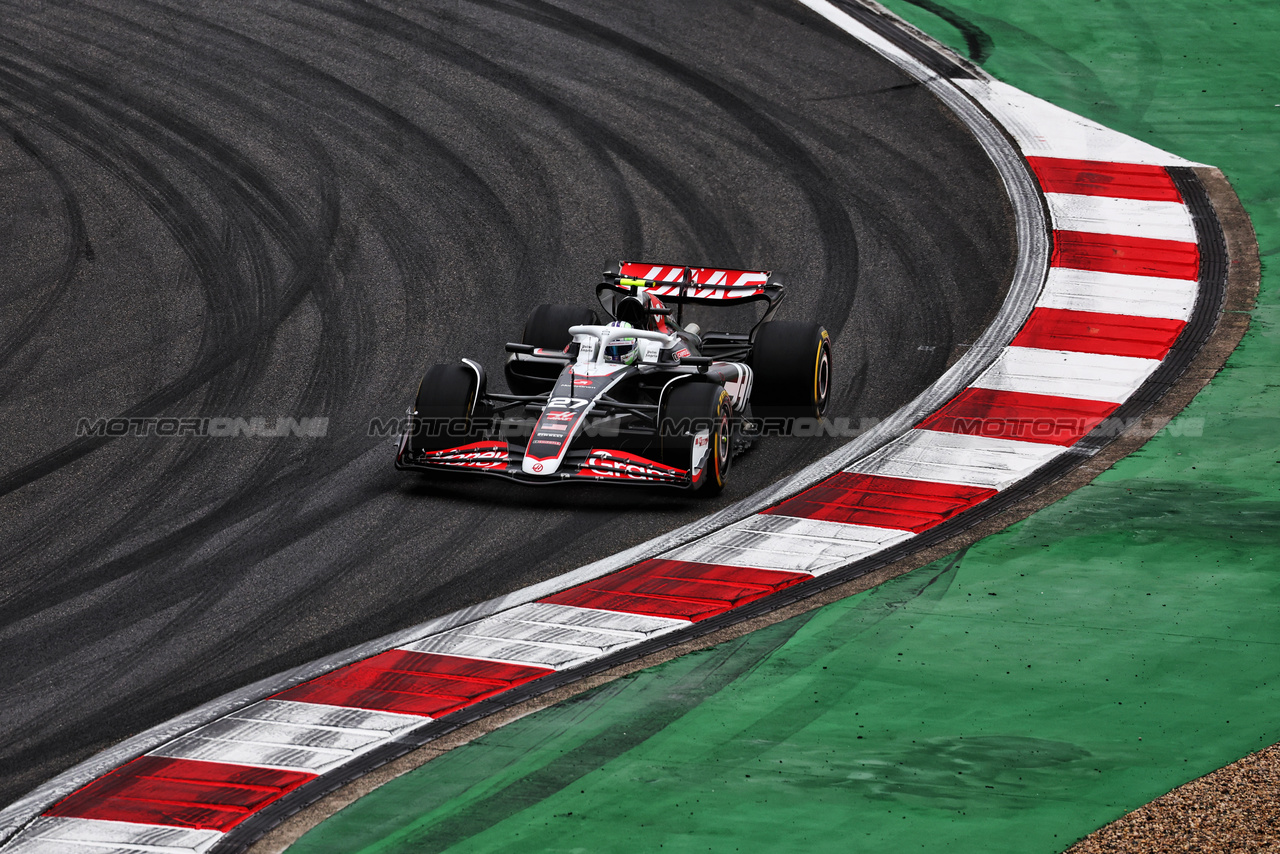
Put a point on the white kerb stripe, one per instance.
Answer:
(283, 734)
(1043, 129)
(1117, 293)
(488, 649)
(1084, 376)
(541, 635)
(54, 835)
(956, 458)
(580, 642)
(788, 543)
(325, 717)
(1105, 215)
(258, 754)
(636, 626)
(272, 736)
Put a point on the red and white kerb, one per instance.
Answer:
(1121, 286)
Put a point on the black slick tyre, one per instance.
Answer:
(696, 413)
(548, 325)
(444, 408)
(792, 365)
(548, 329)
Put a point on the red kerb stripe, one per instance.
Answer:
(1134, 256)
(1095, 332)
(179, 793)
(1101, 178)
(412, 683)
(882, 502)
(676, 588)
(1041, 418)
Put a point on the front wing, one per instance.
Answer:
(498, 458)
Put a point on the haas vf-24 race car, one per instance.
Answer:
(640, 398)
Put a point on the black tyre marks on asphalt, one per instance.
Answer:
(291, 209)
(76, 250)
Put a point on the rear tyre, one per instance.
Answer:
(704, 410)
(792, 364)
(548, 329)
(444, 408)
(548, 325)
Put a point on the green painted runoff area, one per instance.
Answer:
(1013, 697)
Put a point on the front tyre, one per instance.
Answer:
(444, 408)
(697, 429)
(792, 364)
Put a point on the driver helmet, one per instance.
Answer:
(621, 351)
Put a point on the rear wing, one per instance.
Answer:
(682, 284)
(701, 285)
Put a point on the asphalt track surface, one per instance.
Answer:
(291, 209)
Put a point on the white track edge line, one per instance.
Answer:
(1031, 268)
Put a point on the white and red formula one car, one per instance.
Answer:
(643, 398)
